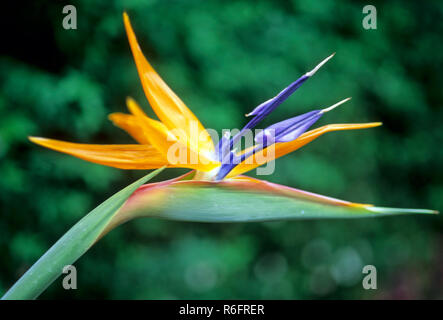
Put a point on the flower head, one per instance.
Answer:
(214, 192)
(178, 131)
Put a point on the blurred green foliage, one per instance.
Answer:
(223, 59)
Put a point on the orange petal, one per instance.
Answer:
(156, 132)
(130, 124)
(173, 148)
(284, 148)
(123, 156)
(165, 103)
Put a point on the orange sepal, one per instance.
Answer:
(122, 156)
(166, 104)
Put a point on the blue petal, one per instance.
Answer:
(268, 106)
(296, 131)
(290, 129)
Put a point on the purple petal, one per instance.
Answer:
(290, 129)
(284, 131)
(297, 130)
(268, 106)
(281, 127)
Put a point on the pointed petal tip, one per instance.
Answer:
(37, 140)
(335, 105)
(125, 17)
(366, 125)
(115, 117)
(313, 71)
(385, 210)
(352, 126)
(129, 100)
(133, 107)
(126, 21)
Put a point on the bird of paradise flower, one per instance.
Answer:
(214, 191)
(220, 166)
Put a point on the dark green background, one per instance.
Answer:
(223, 59)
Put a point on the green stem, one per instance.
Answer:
(71, 246)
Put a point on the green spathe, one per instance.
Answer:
(183, 199)
(248, 200)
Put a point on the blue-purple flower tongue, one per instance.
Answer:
(283, 131)
(292, 128)
(268, 106)
(261, 111)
